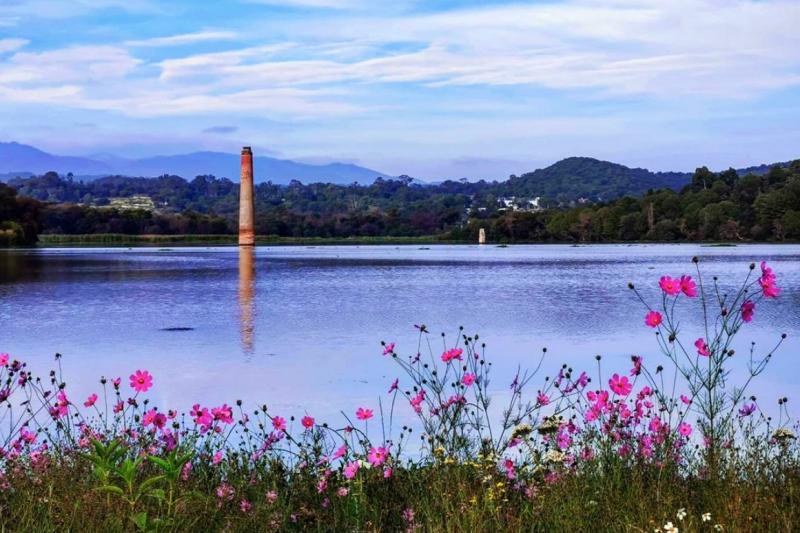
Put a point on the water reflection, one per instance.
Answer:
(247, 291)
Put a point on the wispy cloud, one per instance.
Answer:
(184, 39)
(221, 129)
(9, 45)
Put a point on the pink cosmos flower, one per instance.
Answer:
(767, 282)
(387, 472)
(620, 385)
(141, 380)
(279, 423)
(670, 286)
(61, 408)
(308, 422)
(363, 414)
(342, 491)
(653, 319)
(702, 347)
(351, 470)
(508, 464)
(116, 382)
(155, 418)
(395, 385)
(637, 365)
(90, 401)
(416, 401)
(389, 348)
(468, 379)
(688, 286)
(217, 458)
(223, 413)
(244, 505)
(685, 399)
(4, 359)
(377, 456)
(748, 309)
(272, 497)
(454, 353)
(118, 407)
(685, 429)
(747, 410)
(339, 452)
(542, 399)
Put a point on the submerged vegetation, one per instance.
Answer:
(669, 444)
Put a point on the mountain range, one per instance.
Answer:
(23, 160)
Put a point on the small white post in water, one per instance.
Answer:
(482, 236)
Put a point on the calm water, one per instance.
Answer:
(299, 328)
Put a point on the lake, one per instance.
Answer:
(299, 328)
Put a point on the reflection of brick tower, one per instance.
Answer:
(247, 234)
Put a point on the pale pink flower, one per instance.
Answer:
(272, 497)
(217, 458)
(342, 492)
(351, 470)
(245, 505)
(141, 380)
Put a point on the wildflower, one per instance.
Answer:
(718, 527)
(4, 359)
(155, 418)
(217, 458)
(342, 492)
(670, 286)
(186, 471)
(61, 407)
(141, 381)
(702, 347)
(272, 497)
(767, 282)
(688, 286)
(747, 409)
(363, 414)
(653, 319)
(681, 514)
(339, 452)
(223, 413)
(637, 365)
(468, 379)
(279, 423)
(669, 528)
(620, 385)
(508, 464)
(685, 429)
(225, 492)
(389, 348)
(118, 407)
(387, 472)
(377, 456)
(201, 416)
(542, 399)
(116, 382)
(245, 505)
(90, 401)
(685, 399)
(395, 386)
(351, 470)
(453, 353)
(748, 308)
(307, 422)
(416, 401)
(706, 517)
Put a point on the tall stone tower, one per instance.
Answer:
(247, 233)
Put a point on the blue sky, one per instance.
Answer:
(430, 88)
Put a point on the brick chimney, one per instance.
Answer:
(247, 234)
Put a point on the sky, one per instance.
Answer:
(430, 88)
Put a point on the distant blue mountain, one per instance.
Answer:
(19, 160)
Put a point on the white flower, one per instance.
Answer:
(706, 517)
(681, 514)
(669, 528)
(717, 527)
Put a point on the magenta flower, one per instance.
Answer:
(637, 365)
(767, 282)
(468, 379)
(377, 456)
(669, 285)
(685, 399)
(389, 348)
(653, 319)
(4, 359)
(155, 418)
(223, 413)
(141, 381)
(217, 458)
(351, 470)
(454, 353)
(702, 347)
(245, 505)
(363, 414)
(90, 401)
(747, 410)
(308, 422)
(395, 386)
(542, 399)
(339, 452)
(116, 382)
(620, 385)
(685, 429)
(748, 309)
(688, 286)
(279, 423)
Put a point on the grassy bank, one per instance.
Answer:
(114, 239)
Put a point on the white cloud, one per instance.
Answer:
(9, 45)
(184, 38)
